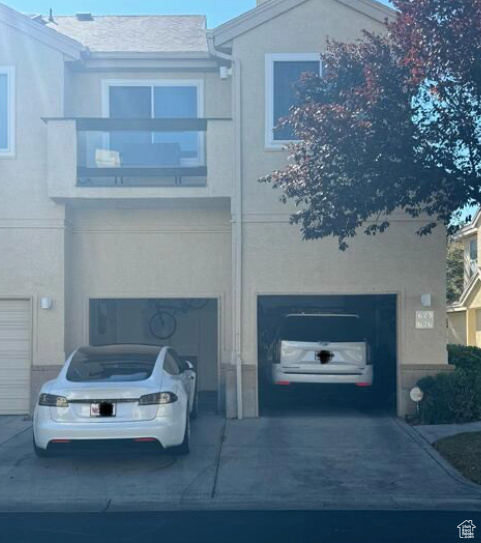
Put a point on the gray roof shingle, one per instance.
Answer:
(137, 33)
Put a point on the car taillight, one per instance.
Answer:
(158, 398)
(50, 400)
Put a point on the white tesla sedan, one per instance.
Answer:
(135, 393)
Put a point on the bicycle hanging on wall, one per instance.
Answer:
(163, 323)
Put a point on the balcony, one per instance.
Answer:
(139, 158)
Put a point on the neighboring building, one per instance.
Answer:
(130, 149)
(464, 316)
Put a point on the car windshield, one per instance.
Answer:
(95, 365)
(322, 328)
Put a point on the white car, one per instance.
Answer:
(136, 393)
(321, 348)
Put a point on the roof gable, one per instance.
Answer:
(40, 32)
(273, 8)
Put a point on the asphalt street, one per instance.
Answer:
(238, 527)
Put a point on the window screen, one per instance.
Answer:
(286, 75)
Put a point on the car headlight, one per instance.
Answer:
(158, 398)
(50, 400)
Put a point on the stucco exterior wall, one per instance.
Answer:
(101, 245)
(277, 261)
(85, 89)
(169, 251)
(32, 225)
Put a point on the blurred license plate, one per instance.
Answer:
(102, 409)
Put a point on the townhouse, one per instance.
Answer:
(130, 208)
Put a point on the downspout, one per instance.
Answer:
(237, 234)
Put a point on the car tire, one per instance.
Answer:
(184, 448)
(41, 453)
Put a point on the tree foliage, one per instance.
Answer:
(392, 124)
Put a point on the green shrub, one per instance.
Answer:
(468, 358)
(453, 397)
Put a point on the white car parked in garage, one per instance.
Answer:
(321, 348)
(136, 393)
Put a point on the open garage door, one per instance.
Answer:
(189, 325)
(377, 317)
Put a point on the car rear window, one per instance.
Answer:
(315, 329)
(111, 367)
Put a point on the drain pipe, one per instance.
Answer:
(237, 233)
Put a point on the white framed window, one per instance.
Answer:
(283, 71)
(158, 99)
(7, 111)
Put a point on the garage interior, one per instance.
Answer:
(189, 325)
(379, 313)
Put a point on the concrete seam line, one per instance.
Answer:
(218, 458)
(418, 438)
(15, 435)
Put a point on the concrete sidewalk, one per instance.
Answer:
(433, 432)
(347, 460)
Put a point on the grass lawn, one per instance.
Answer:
(463, 451)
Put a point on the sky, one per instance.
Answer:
(217, 11)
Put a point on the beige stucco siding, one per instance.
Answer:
(85, 89)
(304, 29)
(31, 225)
(149, 253)
(277, 261)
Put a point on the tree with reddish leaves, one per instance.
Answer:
(394, 123)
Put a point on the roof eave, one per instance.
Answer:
(49, 37)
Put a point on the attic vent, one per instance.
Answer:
(84, 17)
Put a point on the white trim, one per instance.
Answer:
(9, 71)
(271, 58)
(198, 83)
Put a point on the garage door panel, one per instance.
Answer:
(15, 348)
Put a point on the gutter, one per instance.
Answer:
(237, 224)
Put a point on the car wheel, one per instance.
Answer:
(195, 408)
(184, 448)
(41, 453)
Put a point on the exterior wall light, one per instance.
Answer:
(426, 300)
(46, 302)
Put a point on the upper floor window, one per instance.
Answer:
(7, 111)
(163, 99)
(283, 71)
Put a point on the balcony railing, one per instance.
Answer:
(141, 152)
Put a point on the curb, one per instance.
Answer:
(429, 449)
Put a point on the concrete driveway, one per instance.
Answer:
(343, 459)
